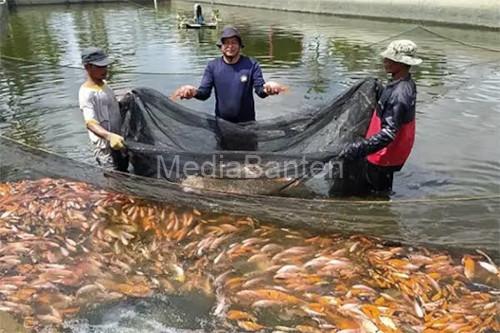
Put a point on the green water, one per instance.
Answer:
(456, 153)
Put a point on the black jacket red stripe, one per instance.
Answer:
(391, 133)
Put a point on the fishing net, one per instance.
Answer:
(436, 221)
(294, 155)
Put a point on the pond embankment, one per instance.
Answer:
(478, 13)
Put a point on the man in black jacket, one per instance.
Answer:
(391, 133)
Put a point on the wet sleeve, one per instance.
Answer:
(87, 106)
(392, 119)
(206, 85)
(258, 81)
(391, 123)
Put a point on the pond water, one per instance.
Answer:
(456, 152)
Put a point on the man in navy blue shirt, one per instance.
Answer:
(233, 76)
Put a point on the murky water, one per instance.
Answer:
(172, 314)
(456, 151)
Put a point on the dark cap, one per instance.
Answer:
(95, 56)
(229, 32)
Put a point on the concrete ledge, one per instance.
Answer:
(481, 13)
(476, 13)
(56, 2)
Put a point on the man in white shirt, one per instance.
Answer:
(101, 111)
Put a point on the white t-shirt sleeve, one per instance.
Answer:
(87, 106)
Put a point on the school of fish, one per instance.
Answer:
(66, 246)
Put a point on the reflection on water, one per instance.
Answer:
(317, 56)
(456, 151)
(456, 154)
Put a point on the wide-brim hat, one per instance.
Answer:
(95, 56)
(403, 51)
(229, 32)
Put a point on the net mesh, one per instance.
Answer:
(170, 141)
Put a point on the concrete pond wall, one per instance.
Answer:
(476, 13)
(480, 13)
(57, 2)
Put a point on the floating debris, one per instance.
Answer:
(65, 246)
